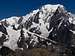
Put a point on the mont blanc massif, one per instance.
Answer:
(50, 25)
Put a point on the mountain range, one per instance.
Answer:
(50, 24)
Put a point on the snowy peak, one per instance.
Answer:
(52, 8)
(44, 11)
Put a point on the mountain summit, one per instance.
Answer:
(51, 24)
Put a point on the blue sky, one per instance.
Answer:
(10, 8)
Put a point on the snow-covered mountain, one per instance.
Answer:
(40, 28)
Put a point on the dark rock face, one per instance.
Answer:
(21, 41)
(28, 23)
(20, 20)
(61, 28)
(36, 18)
(72, 51)
(2, 39)
(3, 29)
(5, 51)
